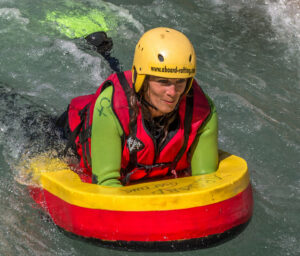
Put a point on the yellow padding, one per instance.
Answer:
(230, 179)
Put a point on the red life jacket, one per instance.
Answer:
(140, 156)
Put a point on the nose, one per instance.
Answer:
(171, 91)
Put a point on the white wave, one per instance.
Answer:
(13, 14)
(285, 13)
(285, 17)
(124, 16)
(241, 101)
(43, 86)
(255, 81)
(127, 16)
(85, 60)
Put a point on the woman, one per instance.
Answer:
(151, 122)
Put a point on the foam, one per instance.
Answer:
(125, 14)
(285, 17)
(13, 14)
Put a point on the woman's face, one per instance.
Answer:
(164, 94)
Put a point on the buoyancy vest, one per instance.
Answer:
(141, 158)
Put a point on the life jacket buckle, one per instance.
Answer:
(174, 173)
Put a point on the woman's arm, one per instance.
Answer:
(205, 148)
(106, 145)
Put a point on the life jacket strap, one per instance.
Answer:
(83, 131)
(133, 127)
(187, 128)
(85, 135)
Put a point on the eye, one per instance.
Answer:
(163, 81)
(180, 81)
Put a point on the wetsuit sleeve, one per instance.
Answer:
(106, 145)
(205, 148)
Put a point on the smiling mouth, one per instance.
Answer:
(169, 102)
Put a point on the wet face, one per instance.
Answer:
(164, 94)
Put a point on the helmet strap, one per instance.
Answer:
(140, 97)
(134, 78)
(148, 104)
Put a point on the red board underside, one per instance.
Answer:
(151, 226)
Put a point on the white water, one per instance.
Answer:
(248, 55)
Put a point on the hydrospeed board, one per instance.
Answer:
(196, 211)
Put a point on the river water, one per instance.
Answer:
(248, 61)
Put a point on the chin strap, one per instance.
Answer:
(143, 101)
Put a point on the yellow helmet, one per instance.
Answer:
(163, 52)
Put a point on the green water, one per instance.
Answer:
(248, 62)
